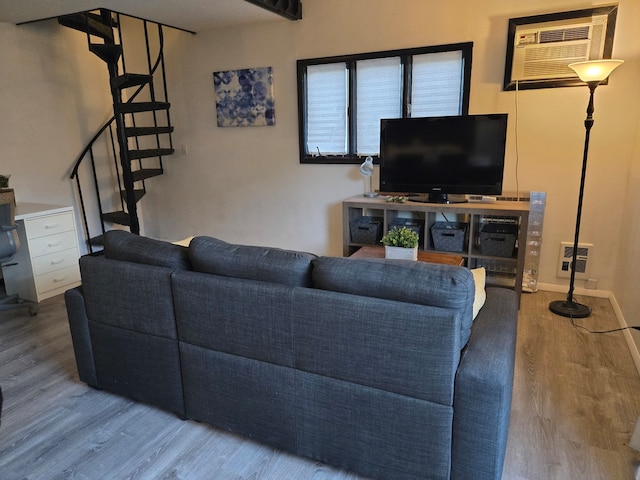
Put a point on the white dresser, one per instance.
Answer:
(47, 260)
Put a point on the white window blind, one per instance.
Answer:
(378, 95)
(327, 109)
(436, 88)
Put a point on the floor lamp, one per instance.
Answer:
(593, 73)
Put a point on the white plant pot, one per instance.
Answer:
(401, 253)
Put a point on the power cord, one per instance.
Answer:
(516, 142)
(603, 331)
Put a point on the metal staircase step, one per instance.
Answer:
(130, 80)
(121, 218)
(108, 52)
(290, 9)
(150, 152)
(137, 193)
(97, 241)
(145, 173)
(87, 22)
(141, 131)
(135, 107)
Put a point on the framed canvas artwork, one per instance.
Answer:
(244, 97)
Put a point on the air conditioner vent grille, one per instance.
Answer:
(576, 50)
(552, 61)
(565, 34)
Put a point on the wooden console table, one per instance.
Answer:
(430, 257)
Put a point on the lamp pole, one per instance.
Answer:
(592, 73)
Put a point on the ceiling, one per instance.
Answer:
(192, 15)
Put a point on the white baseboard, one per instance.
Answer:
(633, 348)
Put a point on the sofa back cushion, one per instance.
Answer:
(128, 247)
(129, 296)
(404, 348)
(401, 280)
(234, 316)
(132, 328)
(287, 267)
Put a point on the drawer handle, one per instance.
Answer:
(51, 225)
(55, 244)
(59, 279)
(57, 261)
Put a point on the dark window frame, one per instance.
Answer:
(350, 60)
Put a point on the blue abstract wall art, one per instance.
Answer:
(244, 97)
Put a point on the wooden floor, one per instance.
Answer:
(576, 400)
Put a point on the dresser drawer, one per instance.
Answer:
(52, 243)
(49, 225)
(57, 279)
(55, 261)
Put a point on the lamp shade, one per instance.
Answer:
(595, 70)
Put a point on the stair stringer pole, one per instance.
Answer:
(125, 162)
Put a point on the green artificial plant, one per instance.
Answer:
(400, 237)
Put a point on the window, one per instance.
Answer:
(342, 99)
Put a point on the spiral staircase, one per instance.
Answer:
(130, 147)
(114, 170)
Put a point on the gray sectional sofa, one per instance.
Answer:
(374, 366)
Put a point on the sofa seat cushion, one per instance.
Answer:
(401, 280)
(287, 267)
(128, 247)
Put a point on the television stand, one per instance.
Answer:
(501, 270)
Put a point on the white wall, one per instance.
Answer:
(625, 287)
(246, 185)
(54, 95)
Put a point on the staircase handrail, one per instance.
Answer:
(76, 166)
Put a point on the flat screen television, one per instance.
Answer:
(438, 156)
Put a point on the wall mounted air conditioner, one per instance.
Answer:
(543, 51)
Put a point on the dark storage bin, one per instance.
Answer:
(366, 230)
(498, 239)
(449, 236)
(412, 224)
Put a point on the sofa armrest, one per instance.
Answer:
(79, 326)
(483, 388)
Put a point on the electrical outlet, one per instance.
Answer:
(184, 149)
(591, 284)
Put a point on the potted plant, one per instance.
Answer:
(4, 181)
(401, 243)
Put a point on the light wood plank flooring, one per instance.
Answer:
(575, 403)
